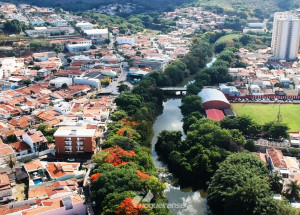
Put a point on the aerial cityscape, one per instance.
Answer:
(184, 107)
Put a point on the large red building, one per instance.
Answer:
(213, 99)
(74, 140)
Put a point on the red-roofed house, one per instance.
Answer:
(21, 148)
(60, 205)
(5, 188)
(5, 151)
(36, 140)
(48, 190)
(277, 163)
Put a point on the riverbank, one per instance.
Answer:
(171, 120)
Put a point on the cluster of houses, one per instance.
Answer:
(190, 19)
(262, 77)
(285, 166)
(114, 9)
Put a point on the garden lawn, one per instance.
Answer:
(262, 113)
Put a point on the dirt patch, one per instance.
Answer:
(18, 192)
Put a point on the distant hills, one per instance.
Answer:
(267, 6)
(77, 5)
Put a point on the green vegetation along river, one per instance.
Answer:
(171, 119)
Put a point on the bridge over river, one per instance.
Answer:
(174, 90)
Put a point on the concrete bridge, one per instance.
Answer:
(174, 90)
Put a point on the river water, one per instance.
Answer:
(195, 202)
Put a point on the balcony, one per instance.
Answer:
(79, 139)
(80, 149)
(79, 143)
(68, 139)
(68, 144)
(68, 148)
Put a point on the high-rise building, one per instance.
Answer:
(285, 37)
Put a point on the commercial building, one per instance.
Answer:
(83, 45)
(126, 40)
(213, 99)
(74, 140)
(49, 31)
(154, 63)
(285, 37)
(85, 26)
(96, 32)
(58, 82)
(91, 81)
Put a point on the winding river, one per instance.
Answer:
(195, 202)
(171, 119)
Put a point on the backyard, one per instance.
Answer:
(262, 113)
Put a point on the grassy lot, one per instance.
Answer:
(263, 113)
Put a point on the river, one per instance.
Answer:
(170, 119)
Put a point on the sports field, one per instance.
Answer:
(262, 113)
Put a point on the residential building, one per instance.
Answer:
(46, 191)
(43, 73)
(5, 152)
(5, 189)
(277, 163)
(62, 108)
(36, 140)
(74, 140)
(9, 66)
(285, 37)
(62, 205)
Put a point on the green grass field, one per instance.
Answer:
(262, 113)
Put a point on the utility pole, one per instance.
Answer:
(279, 117)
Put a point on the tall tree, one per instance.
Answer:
(292, 191)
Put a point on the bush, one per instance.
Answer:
(26, 160)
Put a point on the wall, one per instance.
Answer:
(79, 209)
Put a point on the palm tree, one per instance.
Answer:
(276, 184)
(11, 163)
(293, 190)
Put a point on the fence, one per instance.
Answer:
(263, 97)
(62, 178)
(36, 154)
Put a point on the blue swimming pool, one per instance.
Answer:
(37, 181)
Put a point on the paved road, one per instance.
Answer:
(113, 87)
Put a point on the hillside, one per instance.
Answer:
(76, 5)
(266, 6)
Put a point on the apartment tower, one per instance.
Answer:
(285, 37)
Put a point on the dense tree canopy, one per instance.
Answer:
(240, 186)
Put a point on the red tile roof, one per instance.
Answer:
(277, 158)
(4, 181)
(59, 169)
(46, 191)
(262, 157)
(20, 146)
(33, 165)
(215, 114)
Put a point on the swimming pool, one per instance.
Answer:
(37, 181)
